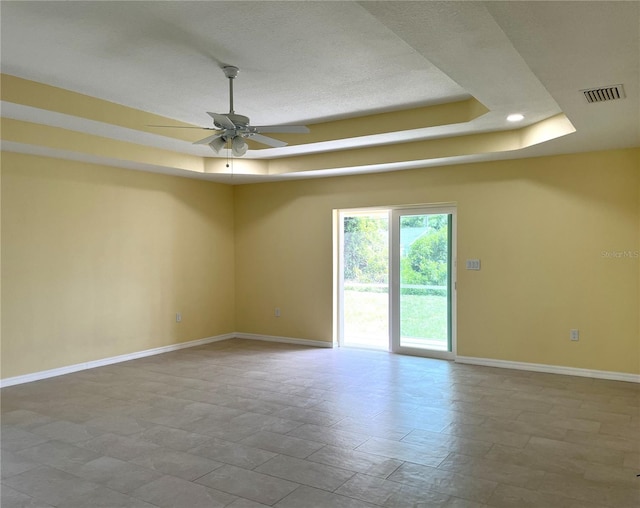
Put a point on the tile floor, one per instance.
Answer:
(247, 424)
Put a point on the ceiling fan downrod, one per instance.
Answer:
(231, 72)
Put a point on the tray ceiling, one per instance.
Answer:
(381, 85)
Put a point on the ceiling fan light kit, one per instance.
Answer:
(217, 144)
(239, 146)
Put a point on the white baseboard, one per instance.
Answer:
(550, 369)
(487, 362)
(287, 340)
(36, 376)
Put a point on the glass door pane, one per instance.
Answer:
(365, 279)
(424, 281)
(422, 291)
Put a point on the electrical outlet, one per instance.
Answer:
(178, 317)
(276, 312)
(574, 334)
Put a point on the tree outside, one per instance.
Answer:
(425, 262)
(366, 249)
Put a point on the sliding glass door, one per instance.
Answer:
(396, 280)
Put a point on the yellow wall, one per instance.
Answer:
(540, 227)
(96, 261)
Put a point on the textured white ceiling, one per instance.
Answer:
(299, 61)
(572, 46)
(313, 61)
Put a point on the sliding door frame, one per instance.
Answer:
(394, 274)
(394, 279)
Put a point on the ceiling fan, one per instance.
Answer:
(234, 128)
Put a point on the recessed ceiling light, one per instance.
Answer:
(515, 117)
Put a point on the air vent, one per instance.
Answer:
(605, 93)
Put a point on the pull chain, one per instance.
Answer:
(229, 162)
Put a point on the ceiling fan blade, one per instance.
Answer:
(222, 120)
(208, 140)
(276, 143)
(182, 127)
(284, 129)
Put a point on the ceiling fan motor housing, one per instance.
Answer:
(238, 120)
(241, 123)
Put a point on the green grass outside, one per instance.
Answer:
(422, 316)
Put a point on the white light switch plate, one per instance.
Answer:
(473, 264)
